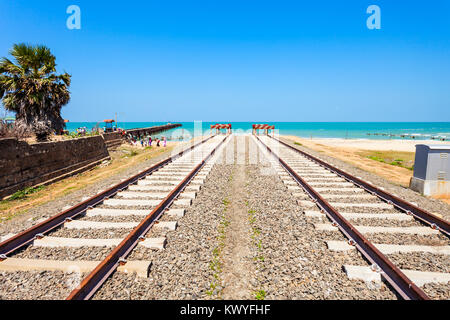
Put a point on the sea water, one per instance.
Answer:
(346, 130)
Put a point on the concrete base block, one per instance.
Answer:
(367, 229)
(141, 268)
(306, 203)
(193, 187)
(80, 224)
(154, 243)
(57, 242)
(135, 195)
(352, 215)
(176, 212)
(418, 277)
(148, 182)
(183, 202)
(169, 225)
(342, 190)
(6, 237)
(430, 187)
(331, 185)
(168, 176)
(325, 180)
(391, 248)
(188, 195)
(354, 196)
(197, 181)
(362, 205)
(150, 188)
(115, 212)
(318, 175)
(362, 273)
(131, 203)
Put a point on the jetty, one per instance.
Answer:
(410, 136)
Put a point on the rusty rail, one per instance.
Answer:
(398, 280)
(27, 236)
(98, 276)
(421, 214)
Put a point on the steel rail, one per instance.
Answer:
(21, 239)
(98, 276)
(398, 280)
(421, 214)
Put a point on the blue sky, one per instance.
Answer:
(244, 60)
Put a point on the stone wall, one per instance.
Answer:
(113, 140)
(23, 165)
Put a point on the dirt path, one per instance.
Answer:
(237, 254)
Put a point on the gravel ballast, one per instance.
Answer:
(245, 236)
(182, 270)
(296, 263)
(430, 204)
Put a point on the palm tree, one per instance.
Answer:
(31, 88)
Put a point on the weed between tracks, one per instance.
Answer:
(216, 264)
(259, 258)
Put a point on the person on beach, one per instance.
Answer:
(157, 142)
(164, 142)
(150, 141)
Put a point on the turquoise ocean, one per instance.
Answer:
(349, 130)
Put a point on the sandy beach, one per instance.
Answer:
(367, 144)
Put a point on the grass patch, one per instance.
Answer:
(260, 295)
(259, 258)
(298, 143)
(75, 135)
(216, 264)
(395, 158)
(22, 194)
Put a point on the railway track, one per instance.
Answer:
(387, 230)
(94, 237)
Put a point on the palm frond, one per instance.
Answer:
(31, 88)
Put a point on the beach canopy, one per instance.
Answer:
(65, 120)
(221, 126)
(109, 120)
(263, 126)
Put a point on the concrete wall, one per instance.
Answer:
(23, 165)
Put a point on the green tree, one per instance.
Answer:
(30, 87)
